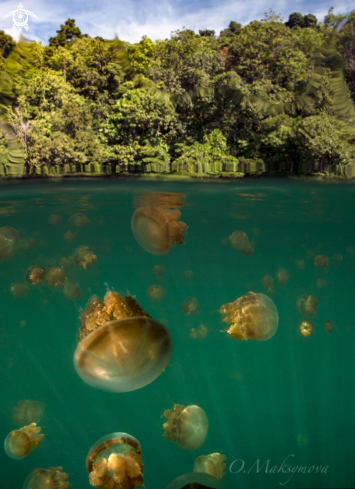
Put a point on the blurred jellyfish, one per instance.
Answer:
(188, 275)
(28, 411)
(321, 283)
(350, 250)
(225, 241)
(79, 220)
(329, 326)
(321, 261)
(23, 323)
(310, 254)
(120, 348)
(84, 257)
(55, 277)
(255, 232)
(308, 304)
(35, 274)
(156, 292)
(190, 306)
(300, 264)
(54, 219)
(186, 426)
(72, 290)
(115, 462)
(52, 478)
(159, 271)
(28, 243)
(9, 241)
(302, 439)
(283, 276)
(66, 262)
(19, 443)
(70, 236)
(239, 241)
(254, 316)
(19, 289)
(306, 328)
(337, 258)
(268, 283)
(199, 333)
(212, 464)
(196, 481)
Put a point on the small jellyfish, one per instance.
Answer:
(302, 439)
(190, 306)
(19, 289)
(188, 275)
(321, 261)
(186, 426)
(239, 241)
(306, 328)
(23, 323)
(321, 283)
(115, 462)
(79, 220)
(308, 304)
(84, 257)
(66, 262)
(27, 412)
(55, 277)
(54, 218)
(159, 271)
(268, 283)
(350, 250)
(253, 316)
(9, 242)
(199, 333)
(19, 443)
(300, 264)
(197, 480)
(337, 258)
(329, 326)
(156, 292)
(72, 290)
(283, 276)
(28, 243)
(255, 232)
(52, 478)
(310, 254)
(70, 236)
(35, 274)
(212, 464)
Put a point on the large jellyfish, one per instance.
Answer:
(212, 464)
(52, 478)
(9, 241)
(186, 426)
(19, 443)
(121, 348)
(252, 316)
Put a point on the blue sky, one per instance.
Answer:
(131, 19)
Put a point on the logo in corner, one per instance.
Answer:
(20, 17)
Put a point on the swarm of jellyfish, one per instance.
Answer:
(84, 257)
(213, 464)
(308, 304)
(55, 277)
(19, 443)
(306, 327)
(79, 220)
(35, 274)
(186, 426)
(52, 478)
(9, 242)
(239, 241)
(190, 306)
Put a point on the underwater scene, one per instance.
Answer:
(175, 334)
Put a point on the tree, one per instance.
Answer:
(6, 45)
(207, 33)
(68, 32)
(295, 20)
(310, 20)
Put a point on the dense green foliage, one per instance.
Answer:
(271, 95)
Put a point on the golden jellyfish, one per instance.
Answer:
(199, 333)
(310, 254)
(321, 261)
(253, 316)
(55, 277)
(159, 271)
(23, 323)
(308, 304)
(79, 220)
(213, 464)
(121, 348)
(190, 306)
(19, 289)
(188, 275)
(115, 462)
(52, 478)
(300, 264)
(350, 250)
(186, 426)
(19, 443)
(329, 326)
(321, 283)
(72, 290)
(196, 480)
(54, 219)
(84, 257)
(66, 262)
(239, 241)
(28, 243)
(70, 236)
(283, 276)
(156, 292)
(9, 242)
(306, 328)
(28, 411)
(35, 274)
(268, 283)
(337, 258)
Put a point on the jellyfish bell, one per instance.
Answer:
(196, 481)
(28, 411)
(159, 271)
(72, 290)
(212, 464)
(28, 243)
(329, 326)
(239, 241)
(54, 219)
(190, 306)
(19, 289)
(79, 220)
(308, 304)
(300, 264)
(188, 275)
(84, 257)
(306, 327)
(55, 277)
(35, 274)
(186, 426)
(52, 478)
(70, 236)
(9, 242)
(283, 276)
(156, 292)
(19, 443)
(321, 261)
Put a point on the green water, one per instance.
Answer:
(290, 397)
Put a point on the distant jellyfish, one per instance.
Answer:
(28, 243)
(70, 236)
(337, 258)
(212, 464)
(190, 306)
(156, 229)
(186, 426)
(54, 218)
(300, 264)
(199, 333)
(156, 292)
(66, 262)
(253, 316)
(115, 462)
(239, 241)
(159, 271)
(19, 289)
(255, 232)
(79, 220)
(321, 283)
(308, 304)
(72, 290)
(302, 439)
(35, 274)
(329, 326)
(55, 277)
(225, 242)
(188, 275)
(350, 250)
(196, 480)
(9, 242)
(52, 478)
(27, 412)
(310, 254)
(268, 283)
(84, 257)
(23, 323)
(283, 276)
(321, 261)
(19, 443)
(306, 328)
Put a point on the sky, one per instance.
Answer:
(130, 20)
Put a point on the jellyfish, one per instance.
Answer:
(70, 236)
(321, 283)
(306, 328)
(54, 218)
(156, 292)
(79, 220)
(52, 478)
(66, 262)
(212, 464)
(337, 258)
(199, 333)
(255, 232)
(35, 274)
(310, 254)
(321, 261)
(115, 462)
(120, 348)
(72, 290)
(225, 242)
(19, 443)
(84, 257)
(188, 275)
(27, 411)
(159, 271)
(190, 306)
(268, 283)
(19, 289)
(196, 481)
(186, 426)
(239, 241)
(253, 316)
(302, 439)
(300, 264)
(350, 250)
(9, 241)
(329, 326)
(308, 304)
(283, 276)
(55, 277)
(28, 243)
